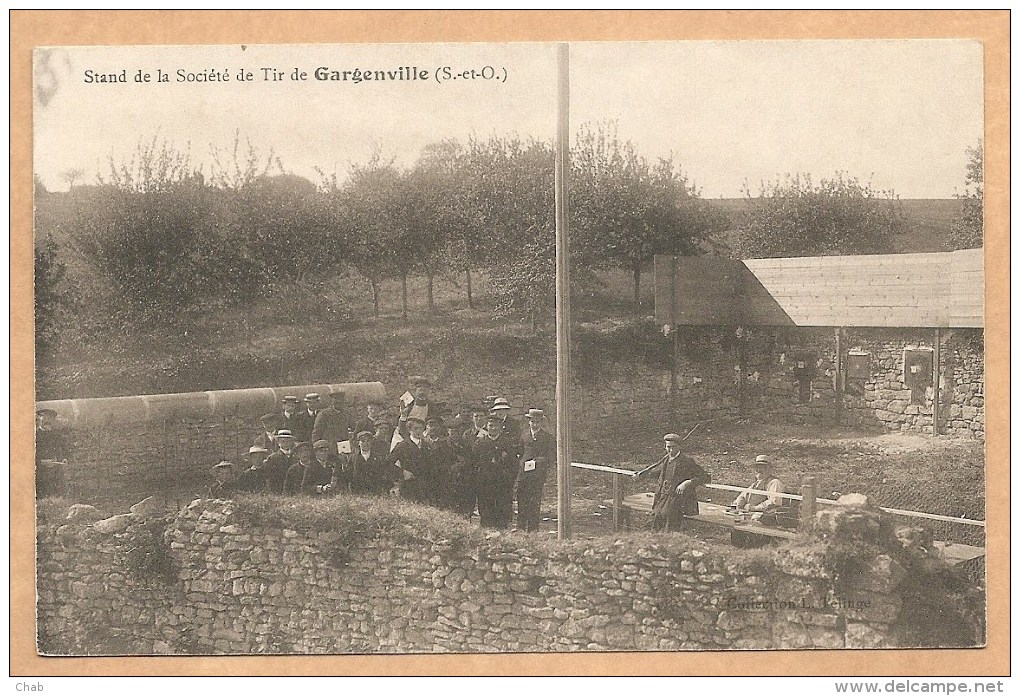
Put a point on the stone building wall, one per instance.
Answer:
(347, 576)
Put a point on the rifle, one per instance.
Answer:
(661, 461)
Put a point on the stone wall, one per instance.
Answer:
(355, 575)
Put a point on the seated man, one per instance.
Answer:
(760, 495)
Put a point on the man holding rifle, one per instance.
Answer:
(676, 495)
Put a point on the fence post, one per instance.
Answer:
(617, 500)
(808, 491)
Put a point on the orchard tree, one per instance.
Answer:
(837, 216)
(142, 232)
(625, 209)
(368, 198)
(968, 228)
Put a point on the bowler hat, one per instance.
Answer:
(535, 414)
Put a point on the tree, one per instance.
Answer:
(142, 232)
(838, 216)
(368, 199)
(967, 230)
(53, 300)
(625, 209)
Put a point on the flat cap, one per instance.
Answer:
(762, 459)
(284, 433)
(365, 435)
(321, 444)
(255, 449)
(672, 437)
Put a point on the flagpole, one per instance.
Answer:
(562, 186)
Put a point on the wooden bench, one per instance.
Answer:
(708, 513)
(714, 514)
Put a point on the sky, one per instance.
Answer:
(897, 114)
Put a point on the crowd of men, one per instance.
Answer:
(479, 458)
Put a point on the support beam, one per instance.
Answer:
(936, 378)
(837, 414)
(563, 400)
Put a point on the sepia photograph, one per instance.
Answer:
(601, 347)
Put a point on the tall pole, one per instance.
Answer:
(562, 185)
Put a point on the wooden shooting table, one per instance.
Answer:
(713, 514)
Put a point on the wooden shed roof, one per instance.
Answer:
(894, 290)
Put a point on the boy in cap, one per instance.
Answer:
(676, 496)
(496, 458)
(538, 452)
(280, 461)
(333, 466)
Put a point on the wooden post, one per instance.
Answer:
(617, 500)
(936, 379)
(674, 381)
(741, 370)
(808, 490)
(562, 190)
(838, 386)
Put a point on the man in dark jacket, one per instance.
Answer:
(366, 470)
(271, 422)
(307, 475)
(676, 496)
(410, 455)
(441, 458)
(367, 422)
(253, 479)
(538, 454)
(333, 424)
(496, 459)
(280, 461)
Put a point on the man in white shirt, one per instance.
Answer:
(761, 496)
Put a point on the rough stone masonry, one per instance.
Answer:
(339, 576)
